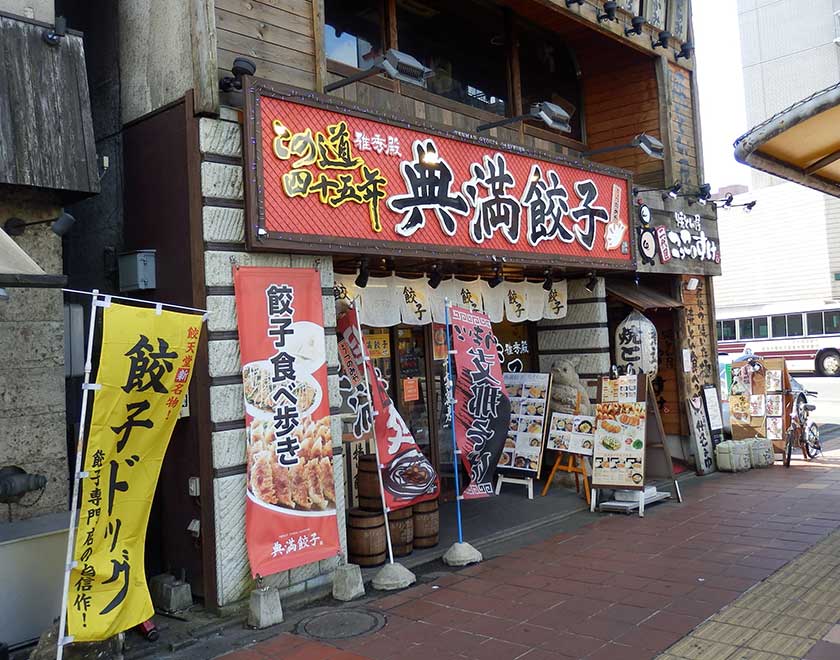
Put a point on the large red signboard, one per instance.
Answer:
(338, 180)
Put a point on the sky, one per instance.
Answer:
(721, 89)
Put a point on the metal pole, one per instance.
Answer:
(365, 360)
(80, 441)
(451, 396)
(95, 293)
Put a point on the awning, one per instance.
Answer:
(640, 297)
(18, 269)
(800, 143)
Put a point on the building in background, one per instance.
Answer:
(784, 257)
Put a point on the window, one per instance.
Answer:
(815, 323)
(463, 43)
(726, 330)
(745, 328)
(353, 31)
(549, 72)
(779, 326)
(760, 327)
(832, 323)
(794, 325)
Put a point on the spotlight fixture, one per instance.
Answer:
(647, 143)
(551, 114)
(705, 190)
(242, 66)
(435, 277)
(591, 282)
(394, 64)
(609, 12)
(497, 278)
(725, 202)
(672, 189)
(60, 225)
(749, 206)
(549, 280)
(662, 41)
(638, 22)
(685, 51)
(569, 3)
(53, 36)
(364, 274)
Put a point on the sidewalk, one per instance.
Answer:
(623, 588)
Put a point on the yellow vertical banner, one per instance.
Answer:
(145, 365)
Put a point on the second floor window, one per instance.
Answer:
(353, 31)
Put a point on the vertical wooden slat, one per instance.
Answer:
(320, 45)
(204, 57)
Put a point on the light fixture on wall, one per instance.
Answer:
(749, 206)
(53, 36)
(671, 191)
(692, 283)
(725, 202)
(497, 278)
(579, 3)
(60, 225)
(364, 274)
(242, 66)
(685, 51)
(551, 114)
(637, 23)
(591, 282)
(661, 41)
(394, 64)
(701, 197)
(435, 277)
(647, 143)
(610, 9)
(549, 280)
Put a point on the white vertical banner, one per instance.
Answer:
(494, 302)
(380, 303)
(469, 295)
(415, 300)
(516, 301)
(536, 300)
(557, 301)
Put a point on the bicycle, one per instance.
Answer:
(804, 435)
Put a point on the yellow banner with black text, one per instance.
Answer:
(145, 365)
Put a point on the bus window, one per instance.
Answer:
(779, 326)
(745, 327)
(760, 327)
(815, 323)
(832, 323)
(726, 330)
(794, 325)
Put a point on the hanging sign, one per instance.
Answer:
(682, 241)
(332, 178)
(378, 345)
(144, 371)
(482, 407)
(637, 344)
(290, 517)
(407, 475)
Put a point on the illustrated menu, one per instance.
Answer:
(528, 395)
(618, 451)
(571, 433)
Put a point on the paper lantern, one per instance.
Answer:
(636, 344)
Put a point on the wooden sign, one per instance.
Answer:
(678, 17)
(683, 241)
(701, 436)
(654, 13)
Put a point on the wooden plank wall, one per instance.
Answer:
(681, 125)
(278, 35)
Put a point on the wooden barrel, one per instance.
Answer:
(368, 481)
(401, 523)
(366, 542)
(426, 524)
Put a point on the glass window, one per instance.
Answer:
(760, 327)
(832, 323)
(727, 330)
(794, 325)
(815, 323)
(463, 43)
(745, 328)
(779, 326)
(353, 31)
(549, 72)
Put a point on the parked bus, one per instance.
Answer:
(809, 340)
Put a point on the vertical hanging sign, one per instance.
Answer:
(290, 515)
(482, 408)
(407, 475)
(145, 367)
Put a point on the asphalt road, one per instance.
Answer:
(828, 399)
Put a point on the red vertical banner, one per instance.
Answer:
(482, 408)
(290, 517)
(407, 475)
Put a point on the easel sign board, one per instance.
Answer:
(574, 434)
(528, 393)
(618, 452)
(756, 403)
(714, 414)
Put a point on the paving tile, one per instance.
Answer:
(751, 654)
(574, 646)
(725, 633)
(672, 622)
(742, 616)
(692, 608)
(823, 651)
(627, 613)
(497, 649)
(649, 638)
(613, 651)
(799, 627)
(780, 643)
(832, 634)
(601, 628)
(701, 649)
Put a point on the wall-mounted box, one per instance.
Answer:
(137, 270)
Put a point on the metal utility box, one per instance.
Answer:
(137, 270)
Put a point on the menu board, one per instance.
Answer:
(528, 395)
(618, 450)
(574, 434)
(756, 402)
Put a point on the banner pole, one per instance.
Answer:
(74, 503)
(365, 360)
(451, 403)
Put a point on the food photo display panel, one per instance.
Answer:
(574, 434)
(618, 452)
(528, 395)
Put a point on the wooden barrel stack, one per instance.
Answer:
(401, 524)
(368, 480)
(366, 542)
(426, 524)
